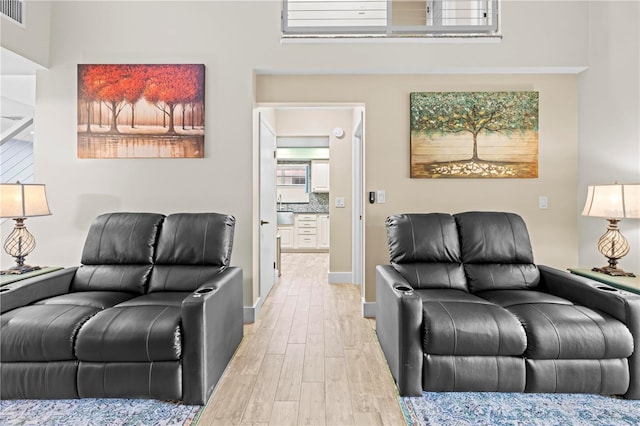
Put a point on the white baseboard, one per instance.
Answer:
(368, 309)
(340, 278)
(250, 313)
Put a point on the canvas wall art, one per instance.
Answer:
(474, 134)
(141, 111)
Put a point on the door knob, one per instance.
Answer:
(264, 222)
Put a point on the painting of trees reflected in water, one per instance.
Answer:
(474, 134)
(141, 111)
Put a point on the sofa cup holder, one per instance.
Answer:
(402, 288)
(202, 291)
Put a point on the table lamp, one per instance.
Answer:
(613, 202)
(19, 201)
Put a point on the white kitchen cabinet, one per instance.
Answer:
(306, 225)
(320, 176)
(309, 232)
(286, 236)
(307, 241)
(323, 231)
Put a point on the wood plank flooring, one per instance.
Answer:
(310, 359)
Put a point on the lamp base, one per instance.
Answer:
(21, 269)
(614, 272)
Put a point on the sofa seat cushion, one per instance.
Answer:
(163, 298)
(445, 373)
(599, 376)
(96, 299)
(42, 332)
(557, 331)
(501, 276)
(433, 275)
(506, 298)
(131, 333)
(157, 380)
(461, 328)
(38, 380)
(182, 278)
(121, 278)
(448, 295)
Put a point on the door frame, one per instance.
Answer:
(357, 239)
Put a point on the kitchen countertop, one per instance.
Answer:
(305, 211)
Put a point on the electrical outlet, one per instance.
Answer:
(340, 202)
(381, 196)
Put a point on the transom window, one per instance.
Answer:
(404, 18)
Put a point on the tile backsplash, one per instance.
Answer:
(318, 203)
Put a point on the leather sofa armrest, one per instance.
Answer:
(212, 323)
(24, 292)
(398, 326)
(620, 304)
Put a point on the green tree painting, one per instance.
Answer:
(474, 134)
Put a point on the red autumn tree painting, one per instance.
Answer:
(128, 111)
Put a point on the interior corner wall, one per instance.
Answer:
(553, 230)
(609, 126)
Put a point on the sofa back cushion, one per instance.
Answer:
(496, 251)
(192, 248)
(424, 249)
(118, 253)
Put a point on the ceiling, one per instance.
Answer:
(18, 96)
(14, 64)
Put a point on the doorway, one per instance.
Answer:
(343, 126)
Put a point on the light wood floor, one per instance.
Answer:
(310, 359)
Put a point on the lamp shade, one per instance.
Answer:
(23, 200)
(615, 201)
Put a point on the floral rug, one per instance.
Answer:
(473, 408)
(98, 412)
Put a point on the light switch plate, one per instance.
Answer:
(543, 202)
(381, 196)
(340, 202)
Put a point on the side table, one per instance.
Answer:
(624, 283)
(11, 278)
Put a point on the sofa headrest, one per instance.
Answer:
(493, 237)
(122, 238)
(196, 239)
(422, 237)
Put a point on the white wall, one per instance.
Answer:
(30, 40)
(236, 40)
(609, 112)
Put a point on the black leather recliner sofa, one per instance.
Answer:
(463, 307)
(155, 311)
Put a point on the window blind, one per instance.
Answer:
(389, 17)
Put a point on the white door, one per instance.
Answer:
(268, 227)
(357, 254)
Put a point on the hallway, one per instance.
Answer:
(310, 359)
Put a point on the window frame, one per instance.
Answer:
(398, 31)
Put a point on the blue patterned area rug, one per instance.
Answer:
(98, 412)
(474, 408)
